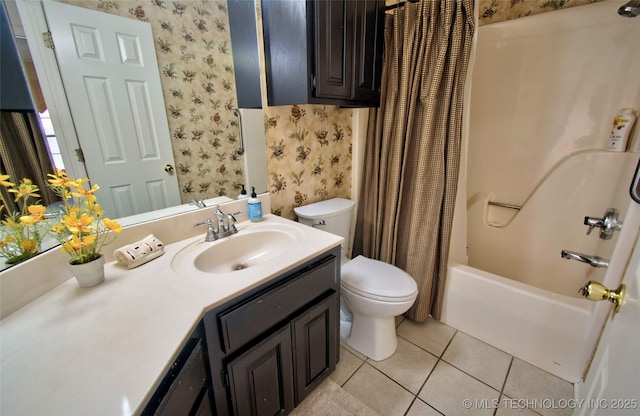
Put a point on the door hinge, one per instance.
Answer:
(48, 40)
(79, 155)
(313, 81)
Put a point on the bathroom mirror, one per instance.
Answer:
(199, 154)
(209, 151)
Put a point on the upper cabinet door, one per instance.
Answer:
(323, 51)
(333, 31)
(246, 54)
(368, 48)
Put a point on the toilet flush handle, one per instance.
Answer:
(320, 223)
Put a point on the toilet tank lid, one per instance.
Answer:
(324, 209)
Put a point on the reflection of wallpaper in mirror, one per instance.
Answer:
(193, 46)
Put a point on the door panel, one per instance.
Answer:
(315, 349)
(334, 39)
(261, 380)
(610, 386)
(369, 42)
(110, 73)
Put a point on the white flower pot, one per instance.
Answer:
(89, 274)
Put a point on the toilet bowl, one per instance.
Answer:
(373, 293)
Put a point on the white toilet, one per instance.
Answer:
(373, 293)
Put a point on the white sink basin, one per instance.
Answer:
(252, 246)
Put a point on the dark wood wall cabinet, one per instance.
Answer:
(261, 353)
(246, 62)
(323, 51)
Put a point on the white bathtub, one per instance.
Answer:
(542, 328)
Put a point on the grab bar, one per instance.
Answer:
(503, 205)
(237, 113)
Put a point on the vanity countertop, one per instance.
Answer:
(104, 350)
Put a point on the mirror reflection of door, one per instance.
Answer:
(204, 138)
(109, 70)
(23, 150)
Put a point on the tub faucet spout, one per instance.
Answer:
(593, 261)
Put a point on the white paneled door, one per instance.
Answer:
(611, 386)
(110, 74)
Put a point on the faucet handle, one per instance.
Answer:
(608, 224)
(592, 223)
(231, 221)
(211, 232)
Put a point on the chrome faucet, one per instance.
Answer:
(224, 226)
(198, 203)
(220, 217)
(593, 261)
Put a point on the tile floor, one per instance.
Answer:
(438, 370)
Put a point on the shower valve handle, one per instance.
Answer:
(608, 224)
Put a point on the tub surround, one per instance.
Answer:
(544, 92)
(104, 350)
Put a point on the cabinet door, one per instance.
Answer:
(185, 388)
(246, 54)
(261, 380)
(316, 342)
(368, 48)
(333, 48)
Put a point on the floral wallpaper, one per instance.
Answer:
(493, 11)
(309, 155)
(193, 47)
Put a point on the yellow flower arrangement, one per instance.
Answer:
(21, 231)
(82, 230)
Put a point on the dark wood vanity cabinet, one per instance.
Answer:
(271, 347)
(323, 51)
(186, 388)
(261, 353)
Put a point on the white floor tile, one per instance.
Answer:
(528, 382)
(432, 335)
(453, 392)
(348, 365)
(378, 391)
(409, 366)
(420, 408)
(476, 358)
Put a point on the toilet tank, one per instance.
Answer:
(332, 215)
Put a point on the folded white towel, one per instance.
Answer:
(133, 255)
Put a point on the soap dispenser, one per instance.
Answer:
(243, 193)
(255, 206)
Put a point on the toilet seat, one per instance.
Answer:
(377, 280)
